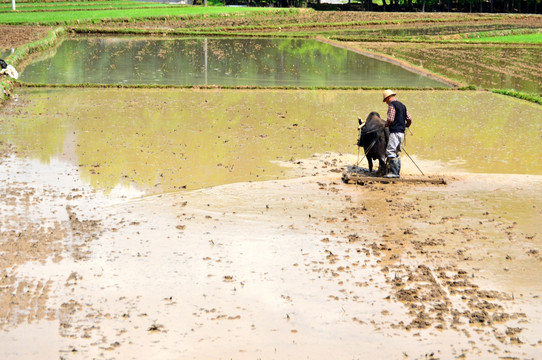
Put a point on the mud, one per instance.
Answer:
(307, 267)
(14, 36)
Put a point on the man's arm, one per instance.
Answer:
(408, 119)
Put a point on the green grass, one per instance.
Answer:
(76, 16)
(67, 6)
(520, 38)
(536, 98)
(67, 3)
(88, 5)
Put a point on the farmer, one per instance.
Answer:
(397, 121)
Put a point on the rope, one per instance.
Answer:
(366, 152)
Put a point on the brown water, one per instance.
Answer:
(162, 139)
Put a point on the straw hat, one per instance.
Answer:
(386, 94)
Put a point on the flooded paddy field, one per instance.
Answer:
(214, 61)
(495, 66)
(165, 139)
(177, 223)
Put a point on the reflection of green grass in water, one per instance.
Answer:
(174, 137)
(35, 133)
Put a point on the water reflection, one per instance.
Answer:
(166, 139)
(227, 62)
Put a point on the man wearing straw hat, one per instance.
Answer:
(397, 121)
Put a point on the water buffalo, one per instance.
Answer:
(374, 139)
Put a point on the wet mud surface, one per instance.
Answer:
(307, 267)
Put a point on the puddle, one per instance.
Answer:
(202, 61)
(479, 132)
(161, 140)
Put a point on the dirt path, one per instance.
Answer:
(308, 267)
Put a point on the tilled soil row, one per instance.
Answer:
(14, 36)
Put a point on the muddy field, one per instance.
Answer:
(309, 267)
(242, 245)
(109, 255)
